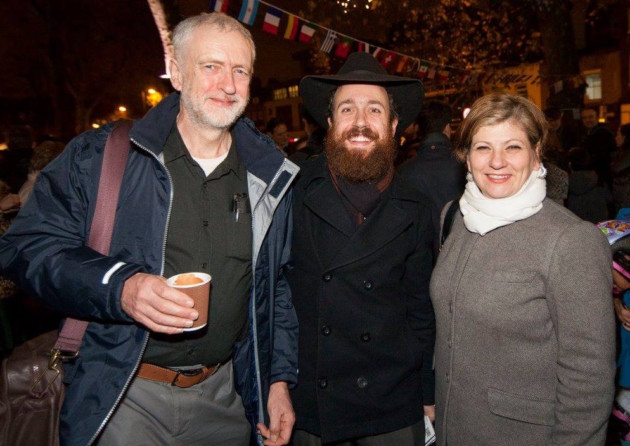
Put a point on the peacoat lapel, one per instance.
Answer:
(344, 244)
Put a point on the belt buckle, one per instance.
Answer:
(187, 373)
(190, 372)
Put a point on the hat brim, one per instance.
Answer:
(408, 94)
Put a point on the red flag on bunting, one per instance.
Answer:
(343, 48)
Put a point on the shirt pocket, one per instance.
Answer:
(239, 236)
(521, 408)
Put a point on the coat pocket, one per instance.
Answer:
(514, 276)
(521, 408)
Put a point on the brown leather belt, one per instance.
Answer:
(182, 379)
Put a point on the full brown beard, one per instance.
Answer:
(359, 165)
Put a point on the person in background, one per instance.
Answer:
(555, 157)
(277, 130)
(617, 232)
(410, 141)
(562, 137)
(620, 167)
(26, 316)
(600, 144)
(588, 197)
(204, 191)
(314, 145)
(434, 171)
(43, 154)
(362, 260)
(525, 346)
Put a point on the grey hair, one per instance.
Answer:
(221, 21)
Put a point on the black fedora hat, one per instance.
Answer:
(362, 68)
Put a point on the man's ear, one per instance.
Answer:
(176, 75)
(394, 125)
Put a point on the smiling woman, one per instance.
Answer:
(525, 339)
(501, 159)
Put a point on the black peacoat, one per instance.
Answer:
(367, 327)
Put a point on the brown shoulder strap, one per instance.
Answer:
(114, 161)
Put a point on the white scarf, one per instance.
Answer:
(483, 214)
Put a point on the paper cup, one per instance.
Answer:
(197, 286)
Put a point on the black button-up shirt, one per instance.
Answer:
(205, 235)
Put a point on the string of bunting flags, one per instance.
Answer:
(340, 45)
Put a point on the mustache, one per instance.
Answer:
(227, 97)
(364, 132)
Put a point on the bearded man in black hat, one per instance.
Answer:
(363, 255)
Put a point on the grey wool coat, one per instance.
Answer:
(525, 333)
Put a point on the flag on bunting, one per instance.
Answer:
(344, 47)
(329, 41)
(413, 66)
(249, 9)
(402, 64)
(423, 69)
(272, 20)
(292, 28)
(378, 53)
(306, 33)
(443, 74)
(363, 47)
(387, 59)
(219, 5)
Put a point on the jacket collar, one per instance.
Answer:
(256, 151)
(322, 198)
(435, 141)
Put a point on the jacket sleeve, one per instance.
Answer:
(45, 250)
(579, 296)
(285, 323)
(419, 308)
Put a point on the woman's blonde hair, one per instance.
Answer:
(497, 108)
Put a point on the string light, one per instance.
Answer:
(347, 4)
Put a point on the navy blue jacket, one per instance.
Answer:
(45, 252)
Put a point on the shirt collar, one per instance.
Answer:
(176, 148)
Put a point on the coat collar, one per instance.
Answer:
(389, 219)
(256, 151)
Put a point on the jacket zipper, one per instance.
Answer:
(261, 418)
(146, 335)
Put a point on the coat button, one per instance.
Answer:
(327, 277)
(365, 337)
(362, 382)
(326, 330)
(368, 285)
(322, 383)
(447, 378)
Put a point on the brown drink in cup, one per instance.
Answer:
(197, 286)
